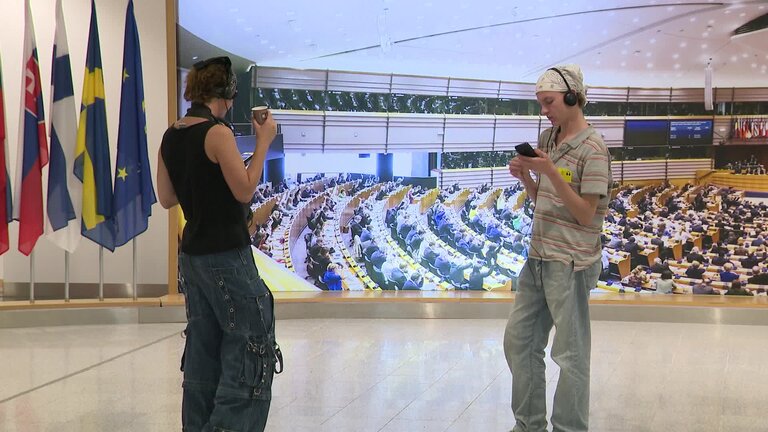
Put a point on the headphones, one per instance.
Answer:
(230, 90)
(570, 98)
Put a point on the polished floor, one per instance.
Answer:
(388, 375)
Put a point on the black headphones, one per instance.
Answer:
(570, 98)
(230, 90)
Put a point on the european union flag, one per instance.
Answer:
(92, 164)
(134, 193)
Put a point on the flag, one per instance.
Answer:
(6, 210)
(92, 164)
(65, 192)
(134, 193)
(33, 146)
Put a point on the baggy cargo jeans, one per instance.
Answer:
(230, 352)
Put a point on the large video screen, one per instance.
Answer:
(646, 133)
(690, 132)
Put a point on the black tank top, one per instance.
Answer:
(216, 221)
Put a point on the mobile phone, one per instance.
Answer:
(525, 149)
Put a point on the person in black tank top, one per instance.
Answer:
(230, 356)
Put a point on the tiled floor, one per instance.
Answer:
(388, 375)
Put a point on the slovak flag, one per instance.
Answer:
(32, 155)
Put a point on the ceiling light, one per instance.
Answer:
(649, 65)
(674, 56)
(653, 40)
(711, 22)
(272, 47)
(727, 11)
(627, 42)
(195, 58)
(693, 19)
(677, 65)
(670, 8)
(248, 29)
(623, 64)
(281, 52)
(744, 55)
(635, 20)
(648, 54)
(623, 52)
(754, 65)
(705, 34)
(743, 14)
(597, 62)
(683, 44)
(264, 41)
(734, 59)
(704, 46)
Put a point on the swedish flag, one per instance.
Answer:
(134, 193)
(92, 164)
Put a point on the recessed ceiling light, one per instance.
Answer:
(754, 65)
(727, 11)
(248, 29)
(744, 55)
(281, 52)
(711, 22)
(705, 34)
(653, 40)
(677, 65)
(704, 46)
(597, 62)
(290, 13)
(623, 52)
(683, 44)
(627, 42)
(623, 64)
(605, 32)
(734, 59)
(743, 14)
(670, 8)
(693, 19)
(264, 41)
(195, 58)
(635, 19)
(648, 54)
(272, 47)
(649, 65)
(674, 56)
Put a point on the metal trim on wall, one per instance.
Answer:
(55, 290)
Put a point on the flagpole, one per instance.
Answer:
(135, 290)
(32, 277)
(101, 273)
(66, 276)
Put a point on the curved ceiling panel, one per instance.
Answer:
(642, 43)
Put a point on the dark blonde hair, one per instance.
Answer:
(204, 84)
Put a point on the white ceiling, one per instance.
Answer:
(638, 43)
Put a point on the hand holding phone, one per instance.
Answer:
(525, 149)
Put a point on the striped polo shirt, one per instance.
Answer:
(556, 235)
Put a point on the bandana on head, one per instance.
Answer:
(552, 81)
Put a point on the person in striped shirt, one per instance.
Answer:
(571, 191)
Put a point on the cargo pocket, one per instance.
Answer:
(185, 336)
(258, 368)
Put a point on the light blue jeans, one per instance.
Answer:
(550, 292)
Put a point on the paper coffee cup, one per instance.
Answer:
(260, 113)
